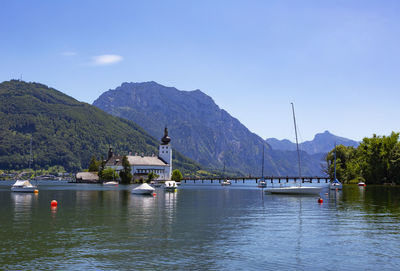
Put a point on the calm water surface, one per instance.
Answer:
(199, 227)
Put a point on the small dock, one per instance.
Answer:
(269, 179)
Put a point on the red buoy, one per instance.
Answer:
(320, 200)
(53, 203)
(154, 194)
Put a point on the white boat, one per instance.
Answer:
(361, 184)
(110, 183)
(296, 190)
(170, 186)
(143, 189)
(226, 182)
(262, 183)
(335, 184)
(23, 186)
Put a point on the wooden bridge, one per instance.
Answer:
(271, 179)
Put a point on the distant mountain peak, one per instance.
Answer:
(198, 127)
(322, 143)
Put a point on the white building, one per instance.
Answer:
(143, 165)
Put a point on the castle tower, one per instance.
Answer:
(165, 153)
(110, 153)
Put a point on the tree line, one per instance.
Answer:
(375, 161)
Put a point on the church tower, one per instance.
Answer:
(165, 153)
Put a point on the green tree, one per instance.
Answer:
(125, 173)
(93, 165)
(151, 177)
(376, 160)
(101, 167)
(109, 174)
(176, 175)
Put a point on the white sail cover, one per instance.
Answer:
(22, 183)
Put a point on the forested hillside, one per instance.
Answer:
(64, 131)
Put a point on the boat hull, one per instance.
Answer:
(262, 184)
(110, 183)
(23, 189)
(295, 190)
(334, 186)
(170, 186)
(143, 191)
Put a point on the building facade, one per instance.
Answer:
(142, 165)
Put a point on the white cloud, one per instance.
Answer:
(103, 60)
(69, 53)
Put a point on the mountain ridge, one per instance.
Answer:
(65, 132)
(202, 131)
(321, 143)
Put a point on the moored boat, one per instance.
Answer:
(23, 186)
(110, 183)
(262, 183)
(226, 182)
(295, 190)
(143, 189)
(361, 184)
(170, 186)
(335, 184)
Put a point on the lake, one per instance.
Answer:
(198, 227)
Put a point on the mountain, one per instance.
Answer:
(65, 132)
(199, 128)
(322, 143)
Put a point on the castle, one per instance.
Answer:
(142, 165)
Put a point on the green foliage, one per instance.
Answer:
(65, 132)
(376, 160)
(109, 174)
(125, 173)
(176, 175)
(151, 177)
(94, 164)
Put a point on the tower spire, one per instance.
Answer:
(166, 139)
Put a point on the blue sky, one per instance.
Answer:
(338, 61)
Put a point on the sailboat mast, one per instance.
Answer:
(262, 170)
(335, 163)
(30, 154)
(297, 142)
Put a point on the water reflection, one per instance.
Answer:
(23, 207)
(23, 201)
(210, 228)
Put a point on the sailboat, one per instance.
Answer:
(296, 190)
(262, 183)
(25, 185)
(335, 184)
(226, 181)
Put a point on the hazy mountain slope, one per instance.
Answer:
(322, 143)
(200, 129)
(65, 132)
